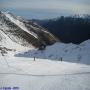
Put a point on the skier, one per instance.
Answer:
(61, 59)
(34, 58)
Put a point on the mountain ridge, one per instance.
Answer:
(69, 29)
(19, 31)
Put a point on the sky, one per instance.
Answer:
(42, 9)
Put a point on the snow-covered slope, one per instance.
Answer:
(24, 33)
(43, 74)
(26, 74)
(58, 67)
(66, 52)
(7, 46)
(19, 23)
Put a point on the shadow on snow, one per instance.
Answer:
(41, 54)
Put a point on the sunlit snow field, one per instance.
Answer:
(44, 74)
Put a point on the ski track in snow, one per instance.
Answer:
(81, 73)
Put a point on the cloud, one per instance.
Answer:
(76, 6)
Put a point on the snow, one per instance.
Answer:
(44, 75)
(68, 52)
(4, 29)
(19, 23)
(8, 43)
(48, 74)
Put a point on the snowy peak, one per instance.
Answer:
(24, 33)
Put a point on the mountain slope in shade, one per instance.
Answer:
(69, 29)
(19, 31)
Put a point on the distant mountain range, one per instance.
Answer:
(71, 29)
